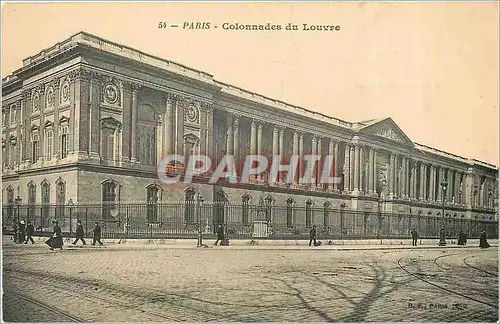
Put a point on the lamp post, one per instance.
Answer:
(199, 204)
(18, 201)
(70, 204)
(342, 207)
(442, 240)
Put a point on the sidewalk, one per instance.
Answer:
(385, 244)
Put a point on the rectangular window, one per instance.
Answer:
(35, 148)
(48, 144)
(64, 142)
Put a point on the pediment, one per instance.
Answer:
(387, 129)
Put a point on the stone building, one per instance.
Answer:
(89, 120)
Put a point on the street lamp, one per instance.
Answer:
(70, 204)
(18, 201)
(199, 203)
(442, 240)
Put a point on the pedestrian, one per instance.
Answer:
(80, 233)
(414, 236)
(483, 242)
(462, 238)
(30, 229)
(56, 241)
(15, 237)
(97, 234)
(220, 234)
(312, 236)
(21, 231)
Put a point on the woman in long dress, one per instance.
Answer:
(56, 239)
(483, 243)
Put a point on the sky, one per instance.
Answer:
(431, 67)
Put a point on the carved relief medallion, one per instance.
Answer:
(192, 113)
(65, 92)
(50, 97)
(36, 101)
(111, 93)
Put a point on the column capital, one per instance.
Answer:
(207, 106)
(171, 97)
(281, 128)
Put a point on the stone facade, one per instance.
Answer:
(89, 113)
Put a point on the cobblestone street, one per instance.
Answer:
(133, 283)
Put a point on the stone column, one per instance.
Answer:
(448, 188)
(253, 140)
(168, 136)
(402, 180)
(281, 148)
(253, 137)
(370, 171)
(314, 151)
(295, 152)
(301, 155)
(281, 141)
(375, 175)
(431, 182)
(362, 167)
(229, 135)
(333, 153)
(347, 167)
(412, 181)
(259, 145)
(336, 165)
(422, 184)
(133, 147)
(390, 176)
(275, 140)
(236, 142)
(439, 180)
(457, 186)
(356, 167)
(351, 168)
(425, 182)
(319, 163)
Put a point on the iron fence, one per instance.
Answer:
(186, 220)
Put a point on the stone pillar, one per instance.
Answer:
(425, 182)
(422, 184)
(356, 168)
(314, 151)
(333, 153)
(295, 152)
(281, 148)
(301, 155)
(259, 145)
(168, 137)
(253, 137)
(351, 168)
(253, 140)
(347, 168)
(457, 186)
(229, 135)
(431, 182)
(275, 140)
(374, 173)
(390, 176)
(236, 142)
(361, 169)
(319, 163)
(438, 184)
(448, 188)
(412, 181)
(133, 147)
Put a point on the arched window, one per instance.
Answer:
(268, 208)
(60, 197)
(220, 208)
(45, 186)
(245, 200)
(10, 202)
(109, 193)
(153, 196)
(308, 213)
(190, 205)
(289, 212)
(326, 214)
(31, 199)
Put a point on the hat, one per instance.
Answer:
(22, 221)
(54, 221)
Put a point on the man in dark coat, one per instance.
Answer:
(80, 233)
(220, 234)
(97, 234)
(312, 236)
(21, 231)
(56, 241)
(30, 229)
(483, 242)
(414, 237)
(462, 238)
